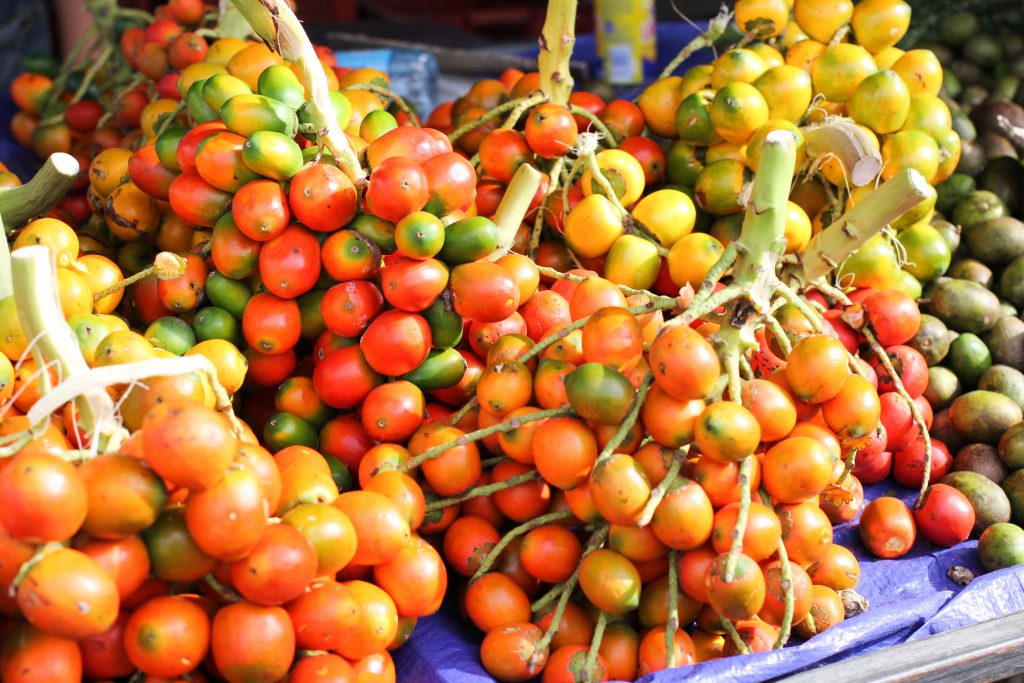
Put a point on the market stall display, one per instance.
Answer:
(637, 384)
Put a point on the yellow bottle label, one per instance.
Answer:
(626, 38)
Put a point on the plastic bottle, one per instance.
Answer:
(626, 39)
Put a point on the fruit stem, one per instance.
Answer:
(734, 635)
(485, 490)
(915, 412)
(851, 462)
(225, 593)
(741, 520)
(166, 266)
(494, 113)
(521, 108)
(479, 434)
(579, 279)
(90, 74)
(513, 208)
(672, 625)
(627, 424)
(794, 299)
(590, 160)
(514, 533)
(542, 602)
(658, 494)
(596, 541)
(538, 348)
(277, 25)
(762, 240)
(464, 411)
(39, 310)
(57, 87)
(780, 334)
(42, 552)
(606, 134)
(716, 27)
(47, 187)
(758, 249)
(554, 182)
(167, 119)
(1011, 132)
(787, 587)
(590, 663)
(399, 101)
(827, 250)
(557, 39)
(110, 375)
(125, 89)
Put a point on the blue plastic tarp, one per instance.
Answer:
(910, 598)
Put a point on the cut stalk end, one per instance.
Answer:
(41, 193)
(850, 231)
(843, 139)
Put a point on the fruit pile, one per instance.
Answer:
(620, 367)
(971, 329)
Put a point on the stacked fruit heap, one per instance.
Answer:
(627, 411)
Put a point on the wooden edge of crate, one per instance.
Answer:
(982, 652)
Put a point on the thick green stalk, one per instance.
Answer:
(513, 208)
(38, 302)
(762, 237)
(850, 231)
(47, 187)
(276, 24)
(758, 249)
(557, 39)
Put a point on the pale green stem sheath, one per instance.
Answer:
(38, 302)
(513, 207)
